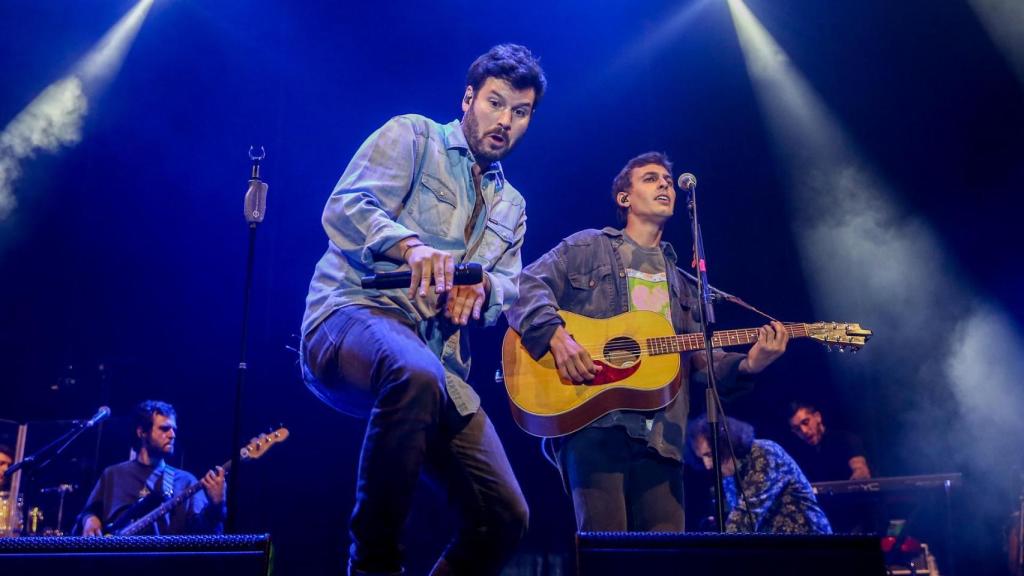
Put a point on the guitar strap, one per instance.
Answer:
(162, 479)
(167, 482)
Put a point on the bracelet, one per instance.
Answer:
(410, 246)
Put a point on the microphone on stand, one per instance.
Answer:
(687, 181)
(102, 414)
(59, 489)
(255, 210)
(256, 195)
(465, 274)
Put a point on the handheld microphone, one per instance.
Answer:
(102, 414)
(465, 274)
(687, 181)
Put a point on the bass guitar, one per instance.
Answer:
(135, 518)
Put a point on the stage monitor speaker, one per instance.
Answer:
(691, 554)
(234, 555)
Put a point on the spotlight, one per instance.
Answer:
(53, 120)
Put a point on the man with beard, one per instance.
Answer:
(826, 454)
(422, 196)
(121, 485)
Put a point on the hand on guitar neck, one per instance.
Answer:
(770, 345)
(213, 485)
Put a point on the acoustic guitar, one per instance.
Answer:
(639, 353)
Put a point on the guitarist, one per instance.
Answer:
(122, 485)
(624, 470)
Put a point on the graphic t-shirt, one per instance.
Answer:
(646, 278)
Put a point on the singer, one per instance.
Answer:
(424, 195)
(120, 486)
(624, 470)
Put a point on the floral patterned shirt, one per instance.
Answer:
(779, 499)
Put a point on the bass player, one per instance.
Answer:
(122, 485)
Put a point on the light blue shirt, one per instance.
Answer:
(413, 177)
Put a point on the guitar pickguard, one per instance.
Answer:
(610, 374)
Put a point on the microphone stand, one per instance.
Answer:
(255, 210)
(44, 455)
(707, 321)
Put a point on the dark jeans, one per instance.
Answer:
(369, 362)
(619, 484)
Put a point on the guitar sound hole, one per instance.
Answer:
(622, 352)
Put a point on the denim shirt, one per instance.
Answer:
(585, 274)
(413, 177)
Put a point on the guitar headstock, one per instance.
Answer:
(259, 445)
(845, 336)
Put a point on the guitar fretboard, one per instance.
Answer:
(723, 338)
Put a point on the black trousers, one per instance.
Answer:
(368, 362)
(619, 484)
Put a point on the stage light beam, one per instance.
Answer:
(871, 260)
(53, 120)
(669, 30)
(1004, 22)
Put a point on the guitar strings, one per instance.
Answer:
(664, 344)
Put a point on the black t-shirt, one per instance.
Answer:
(830, 459)
(120, 485)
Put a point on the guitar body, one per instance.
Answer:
(544, 404)
(127, 515)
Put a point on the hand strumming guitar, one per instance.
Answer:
(92, 526)
(573, 362)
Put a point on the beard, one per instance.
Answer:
(477, 140)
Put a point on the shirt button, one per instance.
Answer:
(622, 274)
(593, 283)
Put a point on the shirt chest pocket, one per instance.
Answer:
(433, 206)
(500, 229)
(589, 280)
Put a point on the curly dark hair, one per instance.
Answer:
(623, 181)
(145, 411)
(512, 63)
(741, 436)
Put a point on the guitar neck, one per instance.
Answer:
(723, 338)
(142, 523)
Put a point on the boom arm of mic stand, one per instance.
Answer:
(44, 455)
